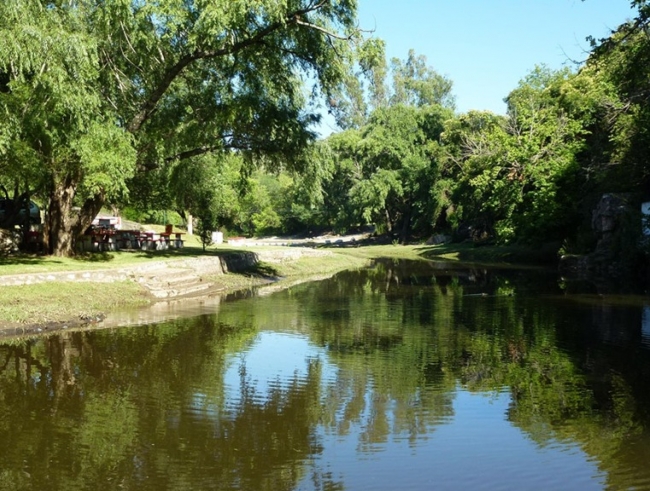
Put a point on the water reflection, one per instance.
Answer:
(402, 376)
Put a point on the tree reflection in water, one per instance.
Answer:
(150, 407)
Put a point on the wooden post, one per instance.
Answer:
(190, 227)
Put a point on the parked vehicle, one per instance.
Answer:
(8, 216)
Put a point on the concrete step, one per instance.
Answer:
(171, 282)
(180, 290)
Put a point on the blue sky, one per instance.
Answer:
(486, 46)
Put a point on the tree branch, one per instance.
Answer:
(194, 152)
(330, 34)
(149, 106)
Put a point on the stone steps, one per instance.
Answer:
(173, 282)
(181, 290)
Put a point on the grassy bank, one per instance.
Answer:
(32, 263)
(543, 255)
(64, 301)
(52, 302)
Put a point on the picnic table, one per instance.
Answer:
(162, 240)
(100, 239)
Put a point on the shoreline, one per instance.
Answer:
(161, 288)
(161, 298)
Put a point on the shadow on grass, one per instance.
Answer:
(26, 259)
(22, 259)
(94, 257)
(165, 254)
(259, 270)
(544, 255)
(185, 252)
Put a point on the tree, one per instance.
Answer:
(516, 175)
(338, 166)
(416, 84)
(118, 89)
(619, 68)
(364, 90)
(206, 187)
(399, 153)
(412, 83)
(471, 145)
(58, 139)
(383, 168)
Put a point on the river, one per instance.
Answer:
(407, 375)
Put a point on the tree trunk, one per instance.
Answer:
(389, 221)
(61, 353)
(63, 225)
(406, 226)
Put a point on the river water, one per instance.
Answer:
(403, 376)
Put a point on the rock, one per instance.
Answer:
(613, 262)
(606, 217)
(438, 239)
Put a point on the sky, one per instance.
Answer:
(487, 46)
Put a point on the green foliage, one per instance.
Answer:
(621, 65)
(365, 91)
(260, 206)
(65, 141)
(120, 103)
(416, 84)
(398, 151)
(155, 217)
(207, 223)
(516, 174)
(206, 187)
(108, 158)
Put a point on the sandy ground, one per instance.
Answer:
(327, 239)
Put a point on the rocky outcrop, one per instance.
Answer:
(606, 222)
(614, 223)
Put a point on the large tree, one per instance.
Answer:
(383, 169)
(100, 92)
(399, 148)
(516, 177)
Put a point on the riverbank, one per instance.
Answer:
(51, 294)
(45, 294)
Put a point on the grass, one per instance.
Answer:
(375, 251)
(46, 302)
(33, 263)
(545, 254)
(320, 265)
(308, 266)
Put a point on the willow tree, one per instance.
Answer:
(100, 92)
(56, 135)
(384, 167)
